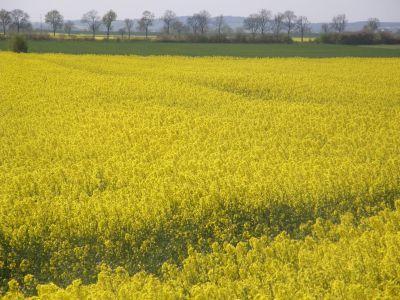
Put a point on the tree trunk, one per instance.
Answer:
(108, 33)
(54, 32)
(146, 32)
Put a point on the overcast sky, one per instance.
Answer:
(315, 10)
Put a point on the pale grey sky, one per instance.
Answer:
(315, 10)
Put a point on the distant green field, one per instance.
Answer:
(206, 49)
(384, 46)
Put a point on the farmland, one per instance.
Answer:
(147, 48)
(210, 177)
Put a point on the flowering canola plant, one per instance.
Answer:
(177, 177)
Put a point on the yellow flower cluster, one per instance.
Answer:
(219, 176)
(344, 261)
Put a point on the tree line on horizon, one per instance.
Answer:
(200, 24)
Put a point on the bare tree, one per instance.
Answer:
(252, 24)
(122, 32)
(325, 28)
(68, 26)
(54, 19)
(168, 18)
(20, 19)
(303, 26)
(339, 23)
(178, 27)
(193, 23)
(5, 19)
(108, 18)
(129, 23)
(219, 25)
(203, 20)
(92, 20)
(372, 25)
(277, 24)
(264, 20)
(146, 21)
(289, 20)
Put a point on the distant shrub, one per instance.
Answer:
(18, 44)
(359, 38)
(60, 37)
(38, 37)
(215, 38)
(389, 38)
(236, 38)
(240, 37)
(197, 38)
(270, 38)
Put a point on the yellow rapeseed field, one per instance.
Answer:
(177, 177)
